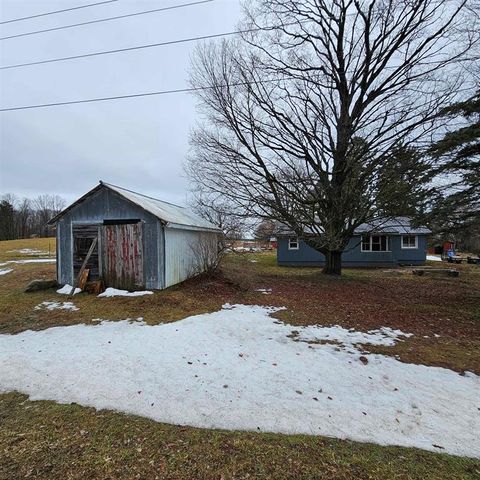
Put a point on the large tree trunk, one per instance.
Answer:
(333, 262)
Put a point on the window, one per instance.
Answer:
(374, 243)
(409, 241)
(293, 243)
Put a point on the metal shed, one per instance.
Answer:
(142, 242)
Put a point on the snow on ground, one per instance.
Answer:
(56, 306)
(265, 291)
(29, 251)
(434, 258)
(113, 292)
(349, 338)
(4, 271)
(66, 289)
(33, 260)
(239, 368)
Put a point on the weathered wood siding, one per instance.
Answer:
(122, 256)
(108, 205)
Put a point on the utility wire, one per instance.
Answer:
(128, 49)
(107, 19)
(135, 95)
(104, 99)
(57, 11)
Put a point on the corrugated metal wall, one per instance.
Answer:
(181, 255)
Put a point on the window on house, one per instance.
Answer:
(409, 241)
(374, 243)
(293, 243)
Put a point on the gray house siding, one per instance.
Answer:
(108, 205)
(353, 255)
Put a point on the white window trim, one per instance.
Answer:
(409, 248)
(293, 239)
(374, 251)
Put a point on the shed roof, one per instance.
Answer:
(171, 214)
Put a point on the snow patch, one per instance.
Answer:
(33, 260)
(349, 337)
(66, 289)
(57, 306)
(176, 373)
(265, 291)
(4, 271)
(434, 258)
(29, 251)
(113, 292)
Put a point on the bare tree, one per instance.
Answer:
(219, 211)
(207, 254)
(47, 206)
(23, 218)
(301, 114)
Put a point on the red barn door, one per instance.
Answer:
(122, 252)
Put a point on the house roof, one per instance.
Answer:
(396, 225)
(391, 226)
(172, 215)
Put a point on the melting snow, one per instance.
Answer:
(29, 251)
(56, 306)
(238, 368)
(349, 338)
(66, 289)
(4, 271)
(434, 258)
(265, 291)
(113, 292)
(33, 260)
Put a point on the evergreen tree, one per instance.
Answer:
(402, 183)
(7, 220)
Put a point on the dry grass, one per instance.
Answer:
(10, 249)
(44, 440)
(48, 441)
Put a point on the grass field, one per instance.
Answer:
(50, 441)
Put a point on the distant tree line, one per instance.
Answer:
(25, 217)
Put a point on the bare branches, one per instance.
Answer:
(285, 105)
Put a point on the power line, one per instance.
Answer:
(134, 95)
(106, 19)
(57, 11)
(103, 99)
(128, 49)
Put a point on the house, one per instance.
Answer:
(380, 243)
(142, 242)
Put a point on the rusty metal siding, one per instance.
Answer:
(108, 205)
(180, 258)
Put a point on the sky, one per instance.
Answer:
(139, 143)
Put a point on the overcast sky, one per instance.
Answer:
(137, 143)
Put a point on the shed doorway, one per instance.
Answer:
(83, 236)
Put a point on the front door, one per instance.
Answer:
(122, 256)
